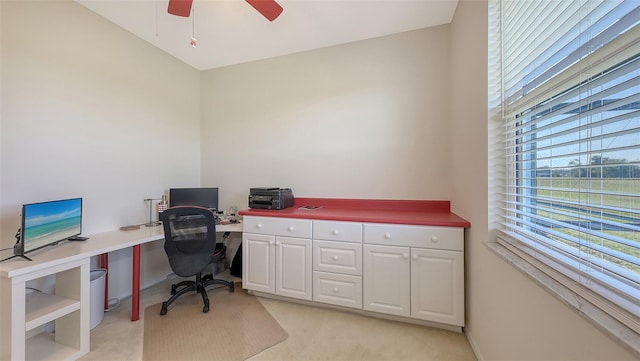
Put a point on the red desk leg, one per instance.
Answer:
(135, 292)
(104, 263)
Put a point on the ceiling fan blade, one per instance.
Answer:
(180, 7)
(268, 8)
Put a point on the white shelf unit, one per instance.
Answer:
(67, 307)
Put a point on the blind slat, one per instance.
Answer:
(604, 221)
(577, 244)
(585, 207)
(626, 46)
(601, 30)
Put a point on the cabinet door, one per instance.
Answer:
(437, 286)
(258, 265)
(293, 267)
(386, 279)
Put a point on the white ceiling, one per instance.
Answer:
(231, 31)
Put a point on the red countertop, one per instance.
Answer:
(416, 212)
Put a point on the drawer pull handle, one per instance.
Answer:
(270, 242)
(336, 290)
(387, 235)
(405, 256)
(434, 239)
(415, 257)
(259, 225)
(335, 232)
(278, 243)
(290, 228)
(335, 258)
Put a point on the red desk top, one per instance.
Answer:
(424, 213)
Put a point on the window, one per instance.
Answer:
(569, 108)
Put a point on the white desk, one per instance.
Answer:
(69, 306)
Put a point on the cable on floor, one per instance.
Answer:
(112, 304)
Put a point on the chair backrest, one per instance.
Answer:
(189, 238)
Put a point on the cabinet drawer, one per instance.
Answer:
(447, 238)
(337, 231)
(337, 289)
(277, 226)
(340, 257)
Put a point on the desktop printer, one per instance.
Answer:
(270, 198)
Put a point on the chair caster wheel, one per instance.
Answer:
(163, 310)
(173, 290)
(232, 288)
(205, 309)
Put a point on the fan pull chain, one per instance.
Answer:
(194, 41)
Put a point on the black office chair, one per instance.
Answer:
(190, 244)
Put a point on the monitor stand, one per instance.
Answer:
(17, 250)
(18, 255)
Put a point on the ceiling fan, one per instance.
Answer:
(268, 8)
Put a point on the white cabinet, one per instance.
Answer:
(408, 271)
(387, 279)
(337, 263)
(293, 267)
(437, 286)
(67, 307)
(414, 271)
(259, 262)
(277, 256)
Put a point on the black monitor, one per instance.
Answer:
(48, 223)
(203, 197)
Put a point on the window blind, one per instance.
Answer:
(570, 108)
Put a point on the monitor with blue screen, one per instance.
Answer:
(48, 223)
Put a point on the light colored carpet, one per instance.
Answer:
(236, 328)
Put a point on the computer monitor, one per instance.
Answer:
(47, 223)
(203, 197)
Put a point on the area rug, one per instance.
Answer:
(236, 328)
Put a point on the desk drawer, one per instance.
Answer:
(447, 238)
(337, 289)
(340, 257)
(337, 231)
(288, 227)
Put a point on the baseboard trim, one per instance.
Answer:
(442, 326)
(474, 344)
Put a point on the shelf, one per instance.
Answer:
(44, 347)
(43, 307)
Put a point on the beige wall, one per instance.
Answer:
(509, 317)
(89, 110)
(361, 120)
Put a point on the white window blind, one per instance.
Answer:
(570, 98)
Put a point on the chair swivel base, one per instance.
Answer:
(199, 286)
